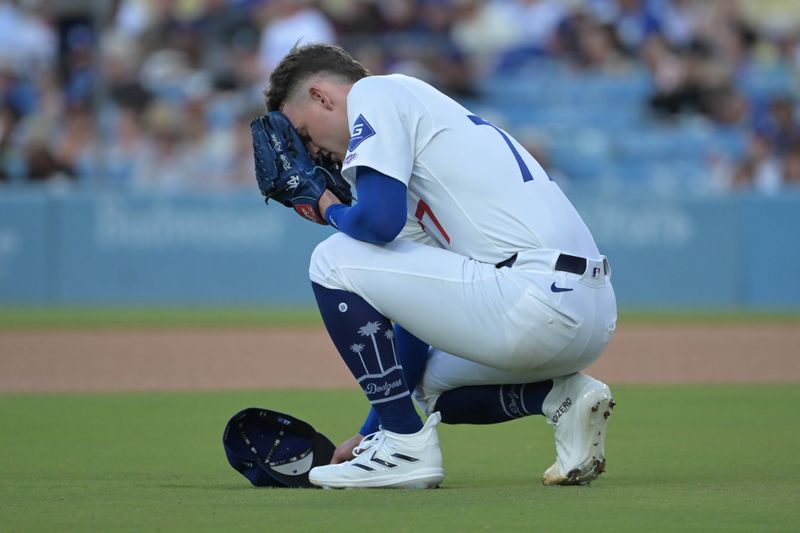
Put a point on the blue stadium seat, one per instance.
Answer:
(763, 82)
(562, 86)
(596, 126)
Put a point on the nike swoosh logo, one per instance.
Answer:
(558, 289)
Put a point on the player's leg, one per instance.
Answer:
(504, 318)
(404, 453)
(412, 355)
(365, 341)
(465, 392)
(356, 327)
(499, 318)
(576, 405)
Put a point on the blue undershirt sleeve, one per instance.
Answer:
(380, 213)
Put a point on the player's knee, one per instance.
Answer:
(324, 260)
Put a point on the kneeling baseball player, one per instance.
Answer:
(462, 274)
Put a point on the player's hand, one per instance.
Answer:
(344, 452)
(287, 173)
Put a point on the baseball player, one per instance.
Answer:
(462, 274)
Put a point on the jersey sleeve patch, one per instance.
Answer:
(361, 132)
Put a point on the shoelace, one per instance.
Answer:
(373, 439)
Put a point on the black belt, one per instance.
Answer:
(571, 263)
(564, 263)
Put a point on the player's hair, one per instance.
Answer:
(302, 62)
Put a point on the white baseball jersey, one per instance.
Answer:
(472, 187)
(478, 194)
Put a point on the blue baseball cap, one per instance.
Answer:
(273, 449)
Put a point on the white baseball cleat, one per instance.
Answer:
(578, 407)
(388, 460)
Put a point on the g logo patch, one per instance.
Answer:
(361, 132)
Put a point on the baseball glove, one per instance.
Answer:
(286, 172)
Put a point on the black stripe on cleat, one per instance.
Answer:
(404, 457)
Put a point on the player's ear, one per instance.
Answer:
(320, 96)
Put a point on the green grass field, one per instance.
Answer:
(99, 318)
(720, 458)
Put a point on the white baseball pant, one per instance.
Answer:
(485, 325)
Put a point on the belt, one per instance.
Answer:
(564, 263)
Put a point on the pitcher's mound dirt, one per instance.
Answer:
(117, 360)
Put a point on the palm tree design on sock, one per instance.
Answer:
(389, 334)
(358, 348)
(369, 330)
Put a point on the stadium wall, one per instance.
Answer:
(81, 248)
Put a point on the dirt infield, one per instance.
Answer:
(188, 359)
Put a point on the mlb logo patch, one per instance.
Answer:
(361, 132)
(595, 272)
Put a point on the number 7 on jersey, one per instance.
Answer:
(523, 168)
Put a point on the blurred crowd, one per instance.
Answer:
(158, 94)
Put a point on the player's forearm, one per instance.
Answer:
(380, 213)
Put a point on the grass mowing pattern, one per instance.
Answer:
(94, 318)
(680, 459)
(99, 318)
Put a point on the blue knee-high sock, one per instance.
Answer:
(364, 338)
(412, 353)
(490, 404)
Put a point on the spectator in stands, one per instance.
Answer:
(667, 69)
(165, 164)
(209, 150)
(596, 48)
(730, 38)
(121, 59)
(239, 172)
(760, 170)
(76, 141)
(27, 40)
(400, 16)
(354, 17)
(485, 31)
(112, 164)
(41, 163)
(217, 28)
(632, 21)
(9, 118)
(539, 21)
(132, 18)
(683, 20)
(80, 66)
(285, 23)
(791, 166)
(781, 125)
(584, 42)
(698, 84)
(177, 78)
(424, 47)
(372, 55)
